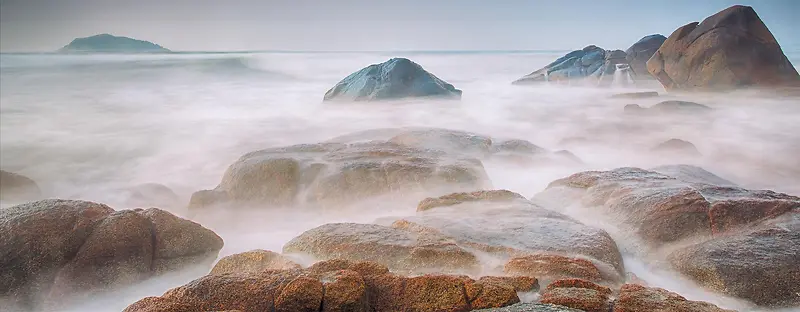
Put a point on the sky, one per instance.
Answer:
(363, 25)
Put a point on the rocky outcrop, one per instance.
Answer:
(729, 50)
(55, 248)
(396, 78)
(636, 298)
(106, 43)
(641, 51)
(759, 264)
(664, 209)
(676, 147)
(400, 249)
(669, 107)
(336, 173)
(16, 187)
(253, 261)
(591, 62)
(345, 286)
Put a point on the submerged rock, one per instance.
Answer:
(590, 62)
(335, 173)
(728, 50)
(342, 287)
(641, 51)
(16, 187)
(759, 264)
(55, 248)
(676, 147)
(669, 107)
(106, 43)
(396, 78)
(151, 195)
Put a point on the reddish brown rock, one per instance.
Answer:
(157, 304)
(490, 293)
(57, 248)
(519, 283)
(345, 290)
(253, 261)
(637, 298)
(728, 50)
(459, 198)
(303, 294)
(436, 293)
(552, 267)
(578, 294)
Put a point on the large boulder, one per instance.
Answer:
(760, 264)
(592, 62)
(728, 50)
(508, 226)
(641, 51)
(663, 209)
(636, 298)
(50, 249)
(16, 187)
(336, 173)
(344, 286)
(396, 78)
(400, 249)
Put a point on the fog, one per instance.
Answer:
(89, 127)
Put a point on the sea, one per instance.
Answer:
(87, 126)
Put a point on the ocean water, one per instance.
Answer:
(88, 126)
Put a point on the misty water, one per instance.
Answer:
(90, 126)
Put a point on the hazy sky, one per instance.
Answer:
(357, 25)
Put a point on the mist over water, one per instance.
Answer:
(89, 126)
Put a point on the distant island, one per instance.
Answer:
(106, 43)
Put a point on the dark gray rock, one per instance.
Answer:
(641, 51)
(106, 43)
(676, 147)
(396, 78)
(591, 62)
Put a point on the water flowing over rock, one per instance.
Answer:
(664, 209)
(396, 78)
(53, 248)
(728, 50)
(590, 62)
(17, 187)
(335, 173)
(641, 51)
(335, 285)
(759, 264)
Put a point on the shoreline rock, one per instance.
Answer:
(15, 186)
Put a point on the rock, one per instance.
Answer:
(57, 248)
(396, 78)
(459, 198)
(591, 62)
(17, 187)
(105, 43)
(728, 50)
(151, 195)
(675, 147)
(531, 307)
(516, 227)
(399, 249)
(335, 173)
(692, 174)
(450, 141)
(641, 51)
(548, 266)
(669, 107)
(578, 294)
(519, 283)
(635, 95)
(664, 209)
(338, 290)
(758, 264)
(253, 261)
(635, 298)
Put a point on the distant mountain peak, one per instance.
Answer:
(108, 43)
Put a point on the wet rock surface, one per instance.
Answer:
(641, 51)
(57, 248)
(396, 78)
(635, 298)
(345, 287)
(578, 294)
(728, 50)
(252, 262)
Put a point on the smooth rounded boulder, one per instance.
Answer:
(397, 78)
(729, 50)
(55, 248)
(641, 51)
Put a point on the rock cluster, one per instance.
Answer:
(52, 249)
